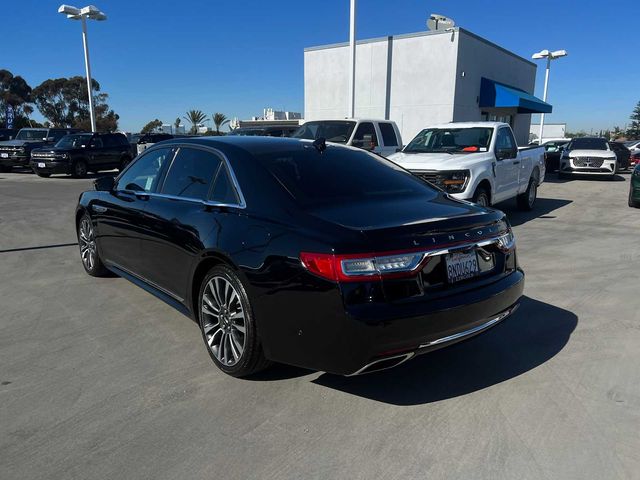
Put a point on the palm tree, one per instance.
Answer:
(195, 118)
(219, 119)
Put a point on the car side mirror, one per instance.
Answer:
(503, 153)
(50, 139)
(104, 184)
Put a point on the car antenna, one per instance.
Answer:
(320, 144)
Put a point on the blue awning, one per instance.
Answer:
(498, 95)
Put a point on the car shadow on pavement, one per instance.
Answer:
(542, 208)
(592, 178)
(534, 335)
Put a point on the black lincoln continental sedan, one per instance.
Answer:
(315, 255)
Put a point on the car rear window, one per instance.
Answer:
(339, 175)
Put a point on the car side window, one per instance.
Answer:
(96, 142)
(191, 173)
(365, 136)
(223, 189)
(144, 173)
(388, 135)
(57, 134)
(505, 141)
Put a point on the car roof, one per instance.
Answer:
(250, 144)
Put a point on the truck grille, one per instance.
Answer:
(431, 176)
(10, 149)
(588, 162)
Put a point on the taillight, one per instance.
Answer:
(362, 267)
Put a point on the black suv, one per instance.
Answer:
(17, 152)
(80, 153)
(623, 154)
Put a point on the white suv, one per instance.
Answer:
(378, 136)
(588, 156)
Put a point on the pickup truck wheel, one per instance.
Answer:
(79, 169)
(527, 200)
(481, 197)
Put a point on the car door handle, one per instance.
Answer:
(142, 195)
(516, 163)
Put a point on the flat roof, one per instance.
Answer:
(421, 34)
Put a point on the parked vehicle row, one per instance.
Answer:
(588, 156)
(17, 152)
(80, 153)
(352, 275)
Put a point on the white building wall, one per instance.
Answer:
(478, 58)
(415, 80)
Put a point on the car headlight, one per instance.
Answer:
(454, 181)
(21, 150)
(611, 158)
(64, 156)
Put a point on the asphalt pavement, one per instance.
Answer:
(101, 380)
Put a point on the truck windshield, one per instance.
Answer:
(332, 131)
(451, 140)
(25, 134)
(587, 144)
(74, 141)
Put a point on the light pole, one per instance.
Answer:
(351, 109)
(92, 13)
(549, 56)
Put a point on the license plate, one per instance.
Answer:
(4, 155)
(41, 165)
(461, 266)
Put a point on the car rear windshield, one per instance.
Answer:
(340, 175)
(451, 140)
(332, 131)
(74, 141)
(588, 144)
(31, 134)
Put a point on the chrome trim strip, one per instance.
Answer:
(148, 282)
(404, 356)
(433, 253)
(471, 331)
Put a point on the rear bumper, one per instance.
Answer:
(51, 167)
(330, 338)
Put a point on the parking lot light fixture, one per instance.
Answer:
(90, 12)
(549, 56)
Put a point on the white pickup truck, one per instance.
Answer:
(477, 161)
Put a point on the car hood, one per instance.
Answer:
(437, 161)
(592, 153)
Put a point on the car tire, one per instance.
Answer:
(88, 248)
(527, 199)
(230, 332)
(481, 197)
(43, 175)
(79, 169)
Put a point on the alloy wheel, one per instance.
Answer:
(223, 321)
(80, 169)
(533, 191)
(87, 241)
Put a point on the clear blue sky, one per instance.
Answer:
(160, 58)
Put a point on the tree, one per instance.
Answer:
(15, 91)
(65, 103)
(195, 118)
(634, 128)
(176, 124)
(219, 119)
(151, 126)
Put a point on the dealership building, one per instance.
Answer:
(421, 79)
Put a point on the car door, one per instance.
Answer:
(507, 166)
(389, 139)
(365, 137)
(178, 220)
(119, 213)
